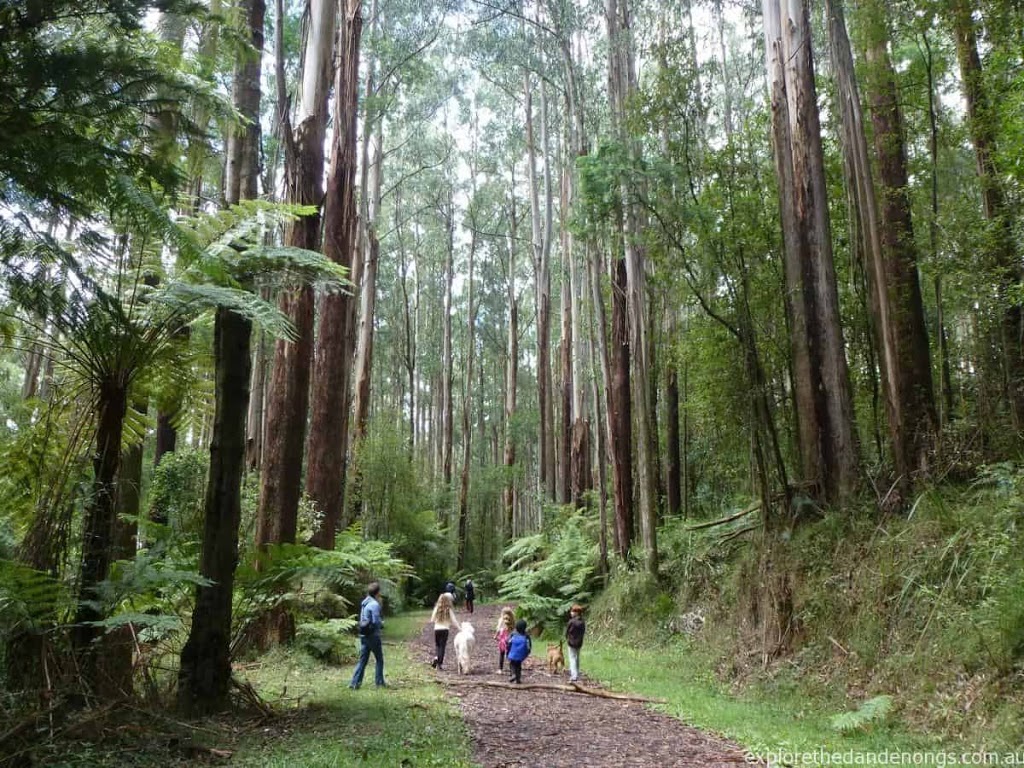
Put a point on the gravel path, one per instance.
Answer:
(551, 729)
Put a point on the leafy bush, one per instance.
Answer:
(178, 492)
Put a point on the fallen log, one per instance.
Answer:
(724, 520)
(563, 687)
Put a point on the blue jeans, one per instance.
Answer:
(368, 645)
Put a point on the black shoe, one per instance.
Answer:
(433, 662)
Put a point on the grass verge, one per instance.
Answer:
(411, 723)
(766, 718)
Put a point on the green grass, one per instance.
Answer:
(767, 718)
(409, 723)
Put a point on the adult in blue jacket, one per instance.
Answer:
(370, 625)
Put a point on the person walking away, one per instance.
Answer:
(519, 648)
(450, 588)
(370, 625)
(470, 595)
(503, 634)
(443, 619)
(574, 632)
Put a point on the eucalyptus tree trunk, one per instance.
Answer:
(204, 674)
(673, 466)
(447, 356)
(913, 421)
(370, 196)
(887, 242)
(288, 395)
(828, 450)
(621, 85)
(542, 292)
(511, 369)
(467, 400)
(332, 373)
(565, 495)
(982, 123)
(597, 355)
(945, 400)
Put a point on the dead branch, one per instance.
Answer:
(564, 688)
(738, 532)
(736, 516)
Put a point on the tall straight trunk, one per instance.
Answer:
(887, 242)
(370, 194)
(255, 424)
(827, 443)
(373, 129)
(621, 86)
(673, 468)
(447, 356)
(982, 123)
(332, 373)
(621, 441)
(914, 417)
(565, 350)
(288, 396)
(945, 400)
(597, 355)
(544, 362)
(467, 400)
(511, 369)
(542, 294)
(204, 673)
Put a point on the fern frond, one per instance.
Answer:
(869, 713)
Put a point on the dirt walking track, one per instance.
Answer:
(551, 729)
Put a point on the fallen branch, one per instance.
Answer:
(724, 520)
(738, 532)
(564, 688)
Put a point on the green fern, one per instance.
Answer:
(870, 713)
(29, 599)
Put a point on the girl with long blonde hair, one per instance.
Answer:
(444, 621)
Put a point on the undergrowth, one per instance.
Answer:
(927, 609)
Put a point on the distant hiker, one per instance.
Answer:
(450, 588)
(574, 632)
(370, 625)
(519, 648)
(503, 634)
(470, 595)
(443, 619)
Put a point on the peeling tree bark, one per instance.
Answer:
(332, 373)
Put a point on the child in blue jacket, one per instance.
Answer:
(519, 648)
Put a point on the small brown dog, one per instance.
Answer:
(556, 660)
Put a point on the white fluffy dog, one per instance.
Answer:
(464, 642)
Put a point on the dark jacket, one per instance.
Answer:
(519, 647)
(470, 590)
(574, 632)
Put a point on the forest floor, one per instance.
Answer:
(551, 728)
